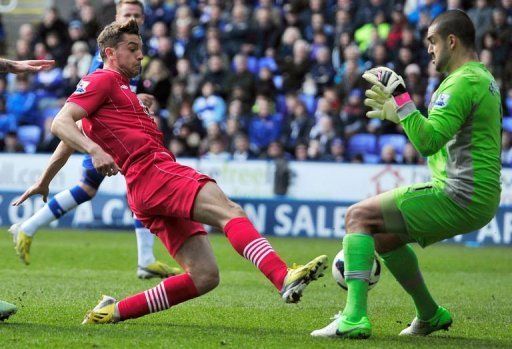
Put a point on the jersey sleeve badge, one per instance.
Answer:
(441, 100)
(81, 87)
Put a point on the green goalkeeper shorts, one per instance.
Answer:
(423, 213)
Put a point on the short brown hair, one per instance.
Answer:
(113, 33)
(131, 2)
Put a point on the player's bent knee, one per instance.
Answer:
(206, 280)
(356, 218)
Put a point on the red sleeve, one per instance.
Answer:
(91, 92)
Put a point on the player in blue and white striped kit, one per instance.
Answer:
(86, 189)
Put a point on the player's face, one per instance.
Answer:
(437, 49)
(129, 11)
(128, 55)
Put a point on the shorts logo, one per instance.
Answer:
(81, 87)
(441, 100)
(124, 87)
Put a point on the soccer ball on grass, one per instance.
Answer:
(338, 271)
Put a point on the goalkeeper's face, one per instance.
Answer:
(438, 49)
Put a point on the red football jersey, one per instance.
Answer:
(116, 119)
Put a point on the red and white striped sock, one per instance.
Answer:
(251, 245)
(169, 292)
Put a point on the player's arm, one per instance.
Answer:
(449, 112)
(16, 67)
(390, 101)
(58, 159)
(64, 126)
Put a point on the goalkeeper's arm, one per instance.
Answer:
(449, 111)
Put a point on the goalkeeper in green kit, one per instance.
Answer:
(462, 139)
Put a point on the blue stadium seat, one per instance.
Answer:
(29, 136)
(396, 140)
(507, 123)
(362, 143)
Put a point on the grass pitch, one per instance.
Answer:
(71, 269)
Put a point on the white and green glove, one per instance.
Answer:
(387, 97)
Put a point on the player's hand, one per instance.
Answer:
(37, 188)
(31, 66)
(146, 99)
(104, 163)
(383, 105)
(386, 79)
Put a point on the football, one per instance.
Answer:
(338, 269)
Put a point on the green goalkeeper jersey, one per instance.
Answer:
(462, 135)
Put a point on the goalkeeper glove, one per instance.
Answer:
(389, 91)
(383, 106)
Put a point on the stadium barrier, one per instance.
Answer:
(315, 205)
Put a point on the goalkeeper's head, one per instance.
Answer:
(451, 39)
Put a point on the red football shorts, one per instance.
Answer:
(161, 194)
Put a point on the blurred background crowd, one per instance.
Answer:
(256, 79)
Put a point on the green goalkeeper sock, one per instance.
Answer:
(359, 252)
(403, 264)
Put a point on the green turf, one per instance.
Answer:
(71, 269)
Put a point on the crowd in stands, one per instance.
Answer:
(257, 79)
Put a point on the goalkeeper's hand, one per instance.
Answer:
(382, 104)
(386, 79)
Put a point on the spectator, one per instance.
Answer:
(297, 127)
(242, 151)
(22, 103)
(209, 107)
(351, 116)
(265, 33)
(158, 30)
(432, 8)
(155, 80)
(265, 84)
(301, 152)
(336, 151)
(236, 31)
(76, 33)
(314, 153)
(388, 155)
(80, 58)
(88, 19)
(58, 49)
(410, 155)
(322, 71)
(324, 132)
(106, 13)
(265, 126)
(8, 121)
(52, 23)
(294, 69)
(158, 11)
(217, 151)
(242, 78)
(275, 151)
(371, 33)
(11, 144)
(217, 74)
(481, 15)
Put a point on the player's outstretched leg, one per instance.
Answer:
(359, 253)
(212, 207)
(6, 310)
(23, 233)
(201, 276)
(148, 267)
(403, 264)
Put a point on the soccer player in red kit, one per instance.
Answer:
(170, 199)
